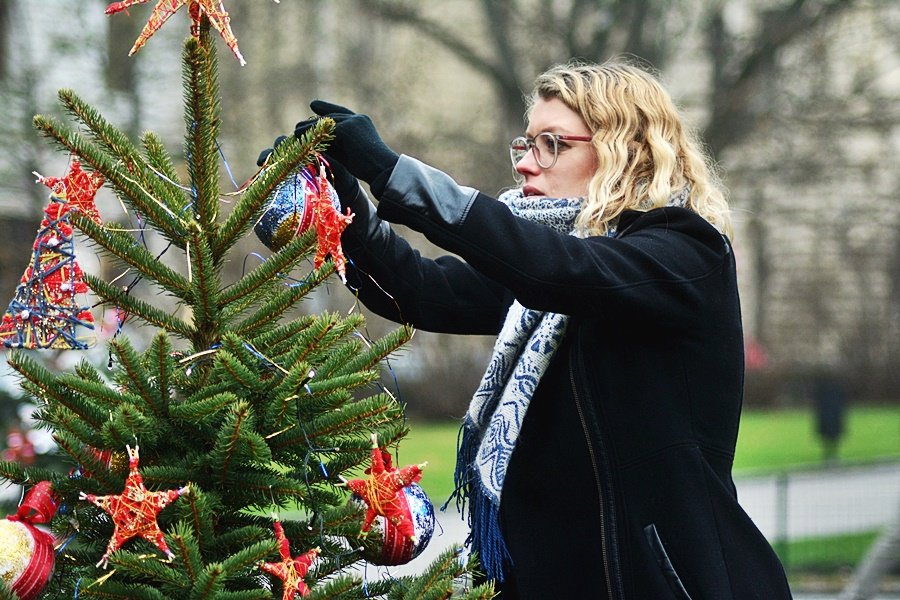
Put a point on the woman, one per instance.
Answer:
(596, 454)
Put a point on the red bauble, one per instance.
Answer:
(26, 552)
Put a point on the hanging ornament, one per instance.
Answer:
(399, 509)
(77, 189)
(302, 200)
(290, 570)
(134, 511)
(26, 552)
(45, 312)
(213, 9)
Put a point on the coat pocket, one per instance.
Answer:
(665, 565)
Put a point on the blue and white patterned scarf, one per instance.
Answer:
(522, 353)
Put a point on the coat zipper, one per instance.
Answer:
(596, 469)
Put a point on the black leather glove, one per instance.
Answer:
(356, 144)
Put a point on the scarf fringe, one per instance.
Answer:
(485, 537)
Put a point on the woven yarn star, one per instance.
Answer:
(290, 570)
(330, 224)
(213, 9)
(76, 190)
(382, 489)
(134, 511)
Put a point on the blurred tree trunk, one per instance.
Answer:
(121, 71)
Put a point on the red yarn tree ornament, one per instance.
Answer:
(45, 312)
(134, 511)
(381, 491)
(290, 570)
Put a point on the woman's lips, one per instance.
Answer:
(530, 190)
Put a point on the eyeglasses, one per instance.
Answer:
(544, 145)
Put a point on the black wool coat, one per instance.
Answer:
(620, 485)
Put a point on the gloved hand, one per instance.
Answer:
(356, 144)
(344, 183)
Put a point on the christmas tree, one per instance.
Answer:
(183, 451)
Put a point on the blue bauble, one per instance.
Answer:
(289, 211)
(385, 545)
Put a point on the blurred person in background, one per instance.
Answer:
(596, 454)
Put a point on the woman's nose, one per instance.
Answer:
(528, 165)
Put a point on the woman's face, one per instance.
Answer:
(576, 162)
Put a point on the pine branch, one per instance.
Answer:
(238, 442)
(202, 120)
(437, 581)
(161, 367)
(159, 159)
(250, 556)
(378, 351)
(279, 340)
(284, 300)
(161, 574)
(339, 356)
(205, 281)
(113, 295)
(83, 455)
(345, 586)
(284, 397)
(289, 155)
(96, 391)
(13, 471)
(277, 264)
(136, 376)
(198, 410)
(134, 254)
(110, 590)
(64, 420)
(319, 386)
(227, 367)
(362, 416)
(127, 424)
(153, 208)
(317, 335)
(194, 530)
(117, 144)
(241, 537)
(45, 383)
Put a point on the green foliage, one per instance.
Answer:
(246, 410)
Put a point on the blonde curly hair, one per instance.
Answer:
(645, 153)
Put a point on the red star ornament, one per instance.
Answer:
(381, 491)
(290, 570)
(76, 190)
(213, 9)
(330, 224)
(134, 511)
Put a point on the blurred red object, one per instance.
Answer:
(755, 356)
(18, 447)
